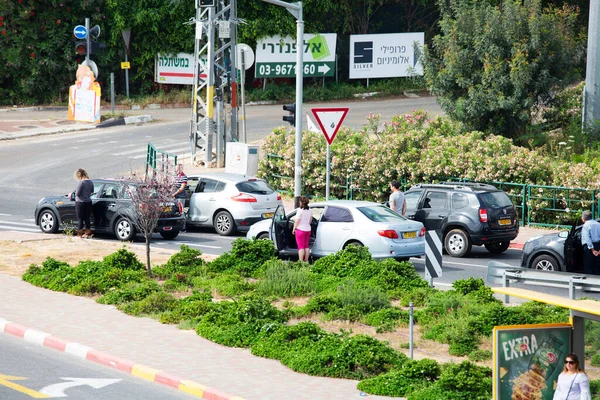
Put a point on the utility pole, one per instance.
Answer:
(215, 77)
(591, 94)
(296, 10)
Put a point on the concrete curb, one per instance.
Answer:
(43, 339)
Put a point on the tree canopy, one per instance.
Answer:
(492, 65)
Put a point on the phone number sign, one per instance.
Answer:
(276, 56)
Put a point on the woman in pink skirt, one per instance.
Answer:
(302, 229)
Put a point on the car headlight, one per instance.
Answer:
(531, 239)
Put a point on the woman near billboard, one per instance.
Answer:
(573, 383)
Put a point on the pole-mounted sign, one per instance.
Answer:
(80, 32)
(330, 120)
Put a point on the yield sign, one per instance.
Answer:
(330, 120)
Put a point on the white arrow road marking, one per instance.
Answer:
(323, 69)
(58, 389)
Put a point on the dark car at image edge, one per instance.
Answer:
(111, 212)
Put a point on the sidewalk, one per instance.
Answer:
(75, 323)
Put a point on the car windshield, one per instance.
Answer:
(380, 214)
(254, 187)
(496, 199)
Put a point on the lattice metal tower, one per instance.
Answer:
(215, 81)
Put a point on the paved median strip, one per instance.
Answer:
(87, 353)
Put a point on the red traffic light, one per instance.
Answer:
(80, 48)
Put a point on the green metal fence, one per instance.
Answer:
(537, 205)
(166, 161)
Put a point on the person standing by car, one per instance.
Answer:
(573, 383)
(302, 229)
(83, 202)
(179, 188)
(397, 202)
(590, 240)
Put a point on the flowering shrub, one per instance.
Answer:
(413, 149)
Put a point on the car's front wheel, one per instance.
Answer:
(457, 243)
(497, 248)
(170, 235)
(124, 230)
(545, 262)
(48, 221)
(224, 223)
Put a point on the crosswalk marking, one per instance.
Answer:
(18, 228)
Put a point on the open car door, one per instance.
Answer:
(279, 228)
(571, 247)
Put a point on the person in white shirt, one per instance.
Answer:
(302, 229)
(397, 202)
(573, 383)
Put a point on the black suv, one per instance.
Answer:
(111, 206)
(465, 214)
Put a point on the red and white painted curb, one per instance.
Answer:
(78, 350)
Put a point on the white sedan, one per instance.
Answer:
(339, 223)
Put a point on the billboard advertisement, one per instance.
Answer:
(528, 360)
(84, 97)
(174, 69)
(387, 55)
(276, 56)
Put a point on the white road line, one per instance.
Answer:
(144, 149)
(5, 215)
(200, 245)
(87, 140)
(15, 223)
(13, 228)
(453, 263)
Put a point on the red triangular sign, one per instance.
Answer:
(330, 120)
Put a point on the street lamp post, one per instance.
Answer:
(296, 10)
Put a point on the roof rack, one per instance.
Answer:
(472, 186)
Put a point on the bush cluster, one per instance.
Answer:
(349, 285)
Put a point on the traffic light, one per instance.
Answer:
(81, 47)
(95, 46)
(291, 108)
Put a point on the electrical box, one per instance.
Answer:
(241, 158)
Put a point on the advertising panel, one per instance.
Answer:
(174, 69)
(528, 360)
(385, 56)
(276, 56)
(84, 97)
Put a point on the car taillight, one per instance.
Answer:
(244, 198)
(278, 196)
(483, 215)
(388, 233)
(180, 205)
(423, 231)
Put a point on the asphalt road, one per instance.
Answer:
(28, 371)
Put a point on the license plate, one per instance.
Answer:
(166, 209)
(409, 235)
(504, 222)
(268, 215)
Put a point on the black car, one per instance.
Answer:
(464, 214)
(560, 251)
(111, 211)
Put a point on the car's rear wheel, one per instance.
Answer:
(262, 236)
(497, 248)
(224, 223)
(354, 243)
(545, 262)
(124, 230)
(457, 243)
(48, 221)
(170, 235)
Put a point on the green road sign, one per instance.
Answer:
(288, 69)
(276, 56)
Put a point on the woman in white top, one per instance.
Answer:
(573, 383)
(302, 229)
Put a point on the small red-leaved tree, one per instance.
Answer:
(149, 196)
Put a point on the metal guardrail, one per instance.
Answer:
(500, 273)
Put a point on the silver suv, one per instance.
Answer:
(229, 202)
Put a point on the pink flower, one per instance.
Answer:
(58, 21)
